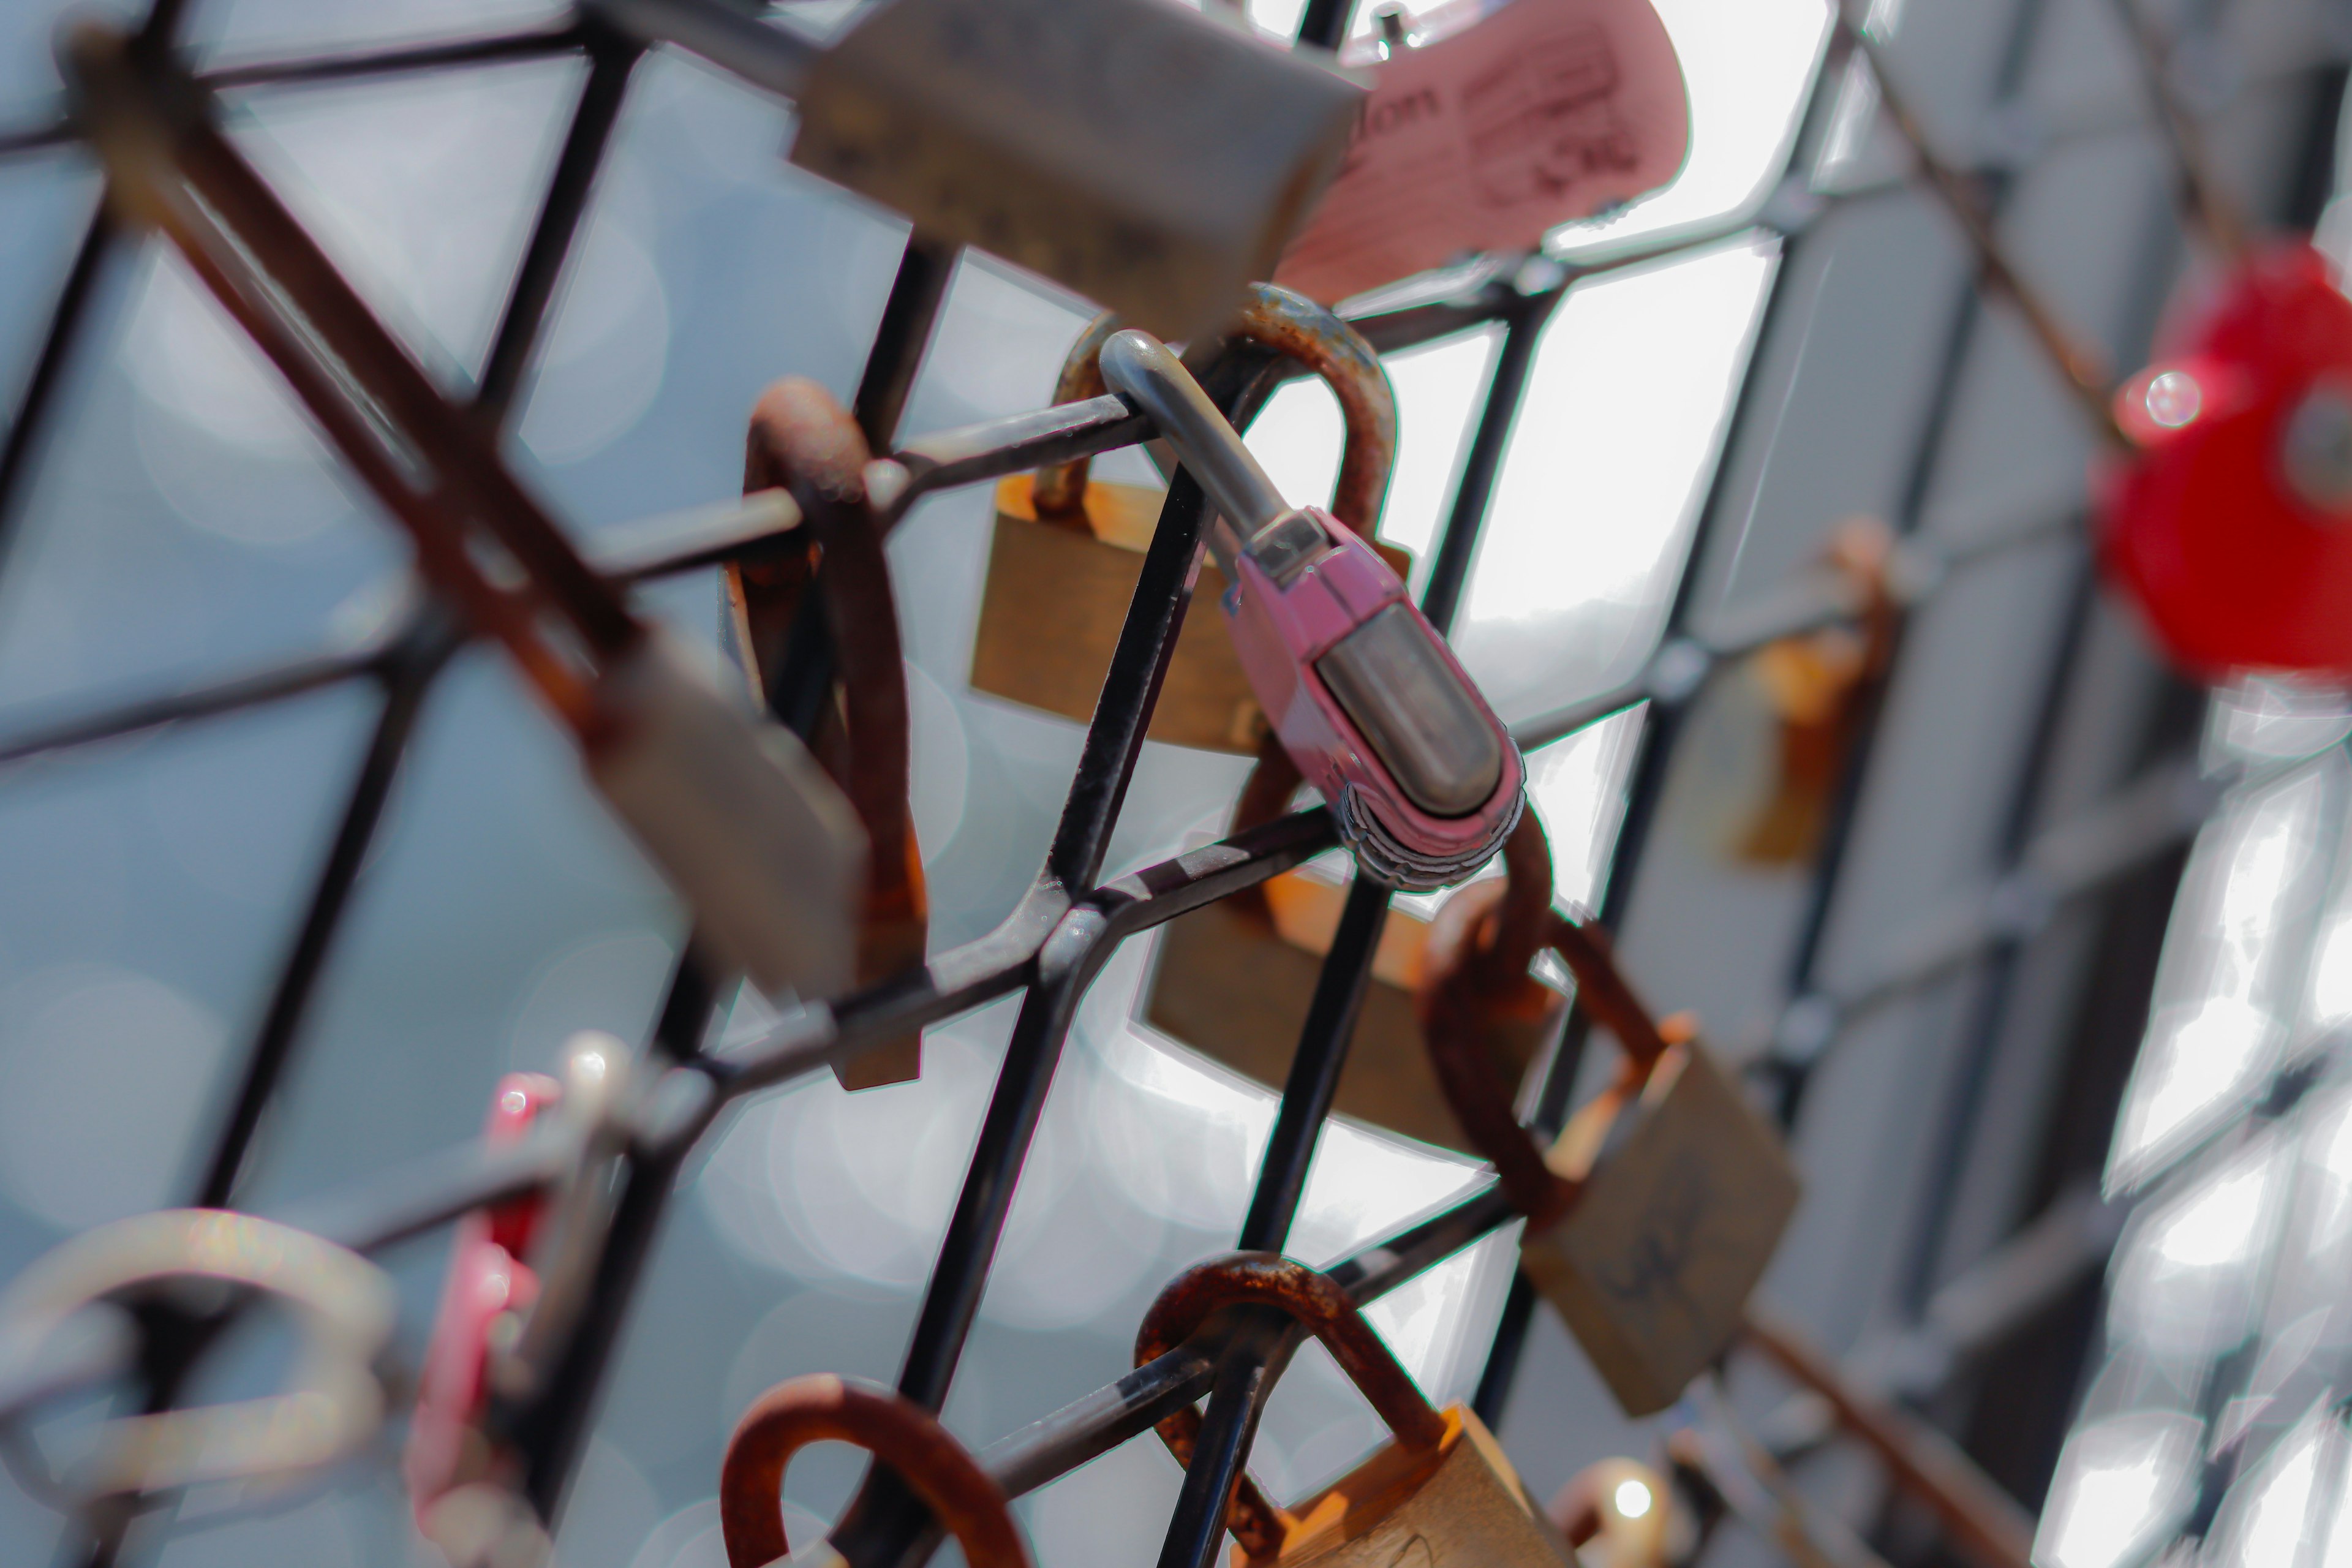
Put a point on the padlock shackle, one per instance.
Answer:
(896, 1430)
(1308, 335)
(803, 441)
(1140, 367)
(1456, 1006)
(1320, 1306)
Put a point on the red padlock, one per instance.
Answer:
(488, 1280)
(2230, 524)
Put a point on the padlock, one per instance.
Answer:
(342, 1306)
(1615, 1512)
(2230, 525)
(1653, 1213)
(1769, 741)
(1488, 127)
(1440, 1494)
(805, 442)
(896, 1430)
(1067, 549)
(1423, 781)
(488, 1283)
(740, 822)
(1234, 979)
(1148, 157)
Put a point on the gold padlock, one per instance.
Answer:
(803, 441)
(1234, 979)
(1067, 550)
(1440, 1494)
(1768, 744)
(1651, 1217)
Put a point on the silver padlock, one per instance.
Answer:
(1145, 155)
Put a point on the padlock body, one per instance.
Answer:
(1147, 156)
(1056, 597)
(739, 818)
(1681, 1210)
(1297, 633)
(1236, 986)
(2232, 565)
(1461, 1506)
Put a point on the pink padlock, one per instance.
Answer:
(488, 1280)
(1365, 696)
(2231, 523)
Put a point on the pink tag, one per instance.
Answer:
(1494, 133)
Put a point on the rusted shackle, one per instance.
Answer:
(803, 442)
(1653, 1214)
(1443, 1482)
(1234, 978)
(895, 1430)
(1067, 549)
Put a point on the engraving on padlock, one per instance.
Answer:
(1068, 548)
(1620, 1503)
(342, 1306)
(1424, 780)
(2230, 525)
(1499, 126)
(1440, 1494)
(488, 1283)
(1652, 1216)
(749, 831)
(803, 442)
(896, 1431)
(1234, 978)
(1149, 158)
(1767, 743)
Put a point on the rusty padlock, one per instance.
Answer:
(1441, 1495)
(1423, 781)
(488, 1280)
(803, 442)
(1615, 1512)
(2231, 524)
(896, 1431)
(1233, 979)
(1067, 548)
(1769, 741)
(1147, 156)
(1654, 1212)
(739, 819)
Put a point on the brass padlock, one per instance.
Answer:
(895, 1431)
(1069, 549)
(1234, 979)
(805, 442)
(1769, 744)
(1147, 156)
(1653, 1215)
(1440, 1494)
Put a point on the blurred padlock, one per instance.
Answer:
(1440, 1494)
(803, 442)
(342, 1306)
(488, 1284)
(1653, 1214)
(1234, 978)
(896, 1431)
(1487, 127)
(2231, 523)
(1068, 548)
(1769, 741)
(1422, 780)
(737, 817)
(1616, 1513)
(1148, 157)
